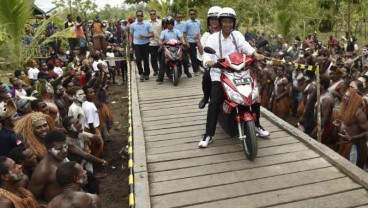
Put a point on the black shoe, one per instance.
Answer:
(189, 75)
(155, 74)
(141, 77)
(202, 103)
(146, 77)
(159, 80)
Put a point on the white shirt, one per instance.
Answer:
(95, 63)
(90, 111)
(228, 47)
(203, 42)
(33, 73)
(110, 55)
(59, 71)
(77, 112)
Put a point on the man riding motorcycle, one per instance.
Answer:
(169, 33)
(224, 43)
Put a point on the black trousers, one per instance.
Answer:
(141, 53)
(217, 97)
(193, 56)
(206, 84)
(163, 67)
(153, 50)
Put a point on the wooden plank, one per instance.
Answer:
(218, 179)
(141, 194)
(213, 159)
(219, 150)
(189, 121)
(228, 166)
(219, 142)
(274, 198)
(172, 112)
(352, 198)
(245, 188)
(177, 130)
(173, 116)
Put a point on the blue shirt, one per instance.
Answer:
(191, 28)
(8, 141)
(138, 28)
(169, 34)
(180, 26)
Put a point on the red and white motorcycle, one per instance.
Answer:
(173, 58)
(241, 91)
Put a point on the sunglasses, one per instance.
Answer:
(192, 14)
(180, 17)
(152, 14)
(139, 15)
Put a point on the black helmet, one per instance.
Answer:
(169, 20)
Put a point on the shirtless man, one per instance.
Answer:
(11, 194)
(337, 89)
(75, 108)
(60, 102)
(307, 122)
(43, 182)
(353, 128)
(326, 101)
(72, 178)
(280, 95)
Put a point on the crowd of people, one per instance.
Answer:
(55, 116)
(55, 122)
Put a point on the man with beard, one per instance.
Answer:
(353, 128)
(8, 138)
(11, 194)
(75, 108)
(33, 127)
(72, 178)
(43, 182)
(24, 157)
(60, 102)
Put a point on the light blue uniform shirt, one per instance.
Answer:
(191, 28)
(169, 34)
(180, 26)
(140, 28)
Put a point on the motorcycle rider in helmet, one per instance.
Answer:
(169, 33)
(213, 26)
(224, 42)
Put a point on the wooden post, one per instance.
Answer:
(319, 133)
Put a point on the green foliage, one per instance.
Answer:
(76, 7)
(14, 14)
(283, 23)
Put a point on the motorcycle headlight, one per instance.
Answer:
(234, 96)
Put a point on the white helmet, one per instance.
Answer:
(214, 11)
(228, 13)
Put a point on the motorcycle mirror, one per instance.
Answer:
(209, 50)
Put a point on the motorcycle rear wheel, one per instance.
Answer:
(250, 142)
(175, 76)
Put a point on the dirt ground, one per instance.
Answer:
(114, 189)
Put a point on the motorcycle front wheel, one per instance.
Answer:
(250, 142)
(175, 72)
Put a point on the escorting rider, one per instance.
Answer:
(213, 26)
(169, 33)
(224, 43)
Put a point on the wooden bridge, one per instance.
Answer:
(292, 170)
